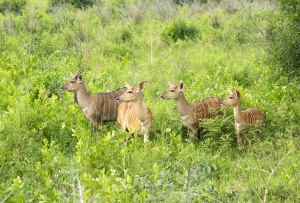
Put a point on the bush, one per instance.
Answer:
(76, 3)
(15, 6)
(283, 35)
(179, 30)
(181, 2)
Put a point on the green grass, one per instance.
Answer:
(49, 153)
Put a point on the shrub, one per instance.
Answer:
(181, 2)
(15, 6)
(179, 30)
(76, 3)
(283, 35)
(117, 51)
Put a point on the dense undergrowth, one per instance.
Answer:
(48, 151)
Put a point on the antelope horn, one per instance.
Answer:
(79, 72)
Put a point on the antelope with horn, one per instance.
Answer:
(135, 116)
(97, 108)
(243, 119)
(192, 114)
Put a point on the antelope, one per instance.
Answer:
(242, 119)
(97, 108)
(192, 114)
(134, 116)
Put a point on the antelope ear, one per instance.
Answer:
(79, 77)
(181, 86)
(143, 85)
(238, 94)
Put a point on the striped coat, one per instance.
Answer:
(243, 119)
(192, 114)
(201, 110)
(97, 108)
(129, 120)
(103, 106)
(133, 114)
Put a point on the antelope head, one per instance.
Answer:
(232, 99)
(74, 83)
(174, 91)
(132, 93)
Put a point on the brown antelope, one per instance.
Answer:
(242, 119)
(191, 114)
(134, 115)
(97, 108)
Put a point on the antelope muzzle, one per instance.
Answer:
(119, 100)
(163, 96)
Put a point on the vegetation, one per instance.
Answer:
(15, 6)
(179, 31)
(48, 150)
(284, 38)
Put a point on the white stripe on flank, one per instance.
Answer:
(99, 104)
(107, 112)
(104, 103)
(115, 107)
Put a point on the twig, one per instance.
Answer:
(7, 196)
(79, 189)
(251, 19)
(187, 184)
(264, 200)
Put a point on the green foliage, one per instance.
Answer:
(15, 6)
(181, 2)
(284, 38)
(179, 30)
(75, 3)
(49, 152)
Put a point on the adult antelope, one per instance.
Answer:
(134, 115)
(192, 113)
(97, 108)
(243, 119)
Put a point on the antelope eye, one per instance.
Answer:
(130, 92)
(72, 81)
(231, 97)
(172, 91)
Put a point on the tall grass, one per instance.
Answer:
(48, 151)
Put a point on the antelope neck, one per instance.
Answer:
(238, 113)
(140, 108)
(182, 106)
(83, 98)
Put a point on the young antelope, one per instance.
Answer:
(133, 113)
(192, 114)
(243, 119)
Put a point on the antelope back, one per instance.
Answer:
(254, 115)
(206, 108)
(105, 104)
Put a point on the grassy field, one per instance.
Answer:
(49, 152)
